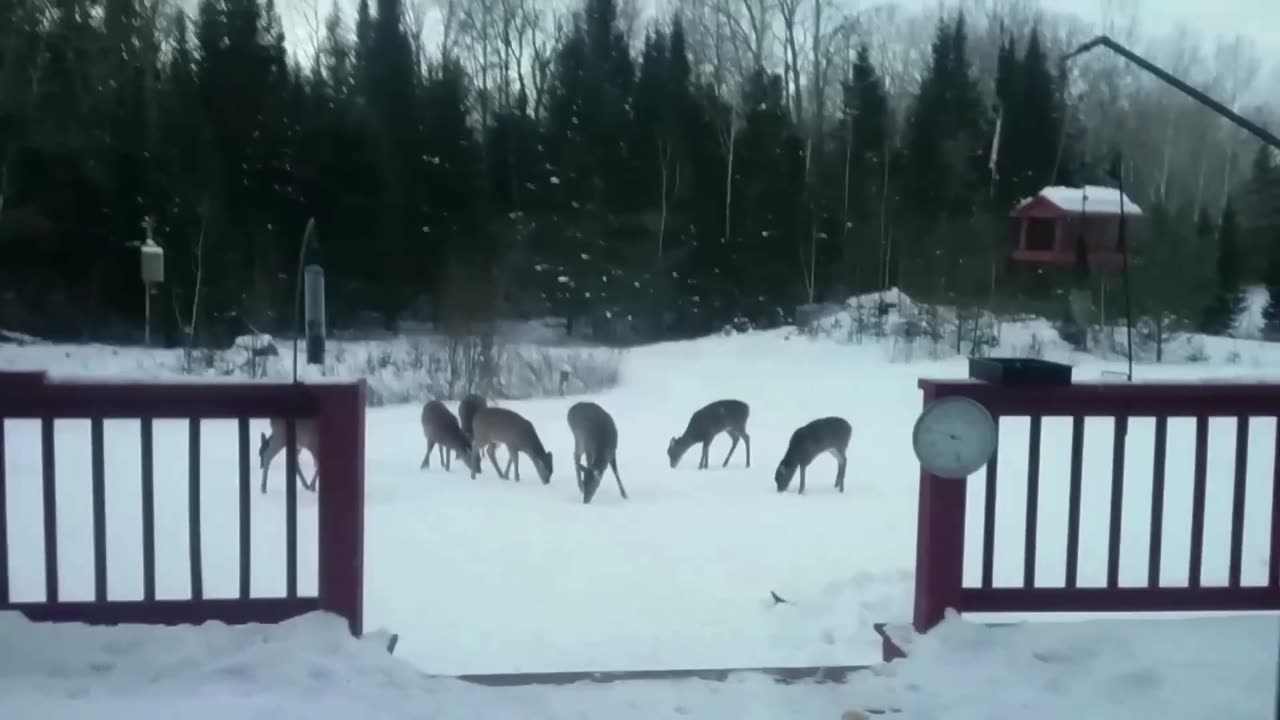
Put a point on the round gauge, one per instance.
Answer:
(954, 437)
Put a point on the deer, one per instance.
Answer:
(441, 429)
(829, 435)
(305, 438)
(708, 421)
(467, 411)
(595, 436)
(493, 425)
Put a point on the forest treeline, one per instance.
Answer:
(727, 162)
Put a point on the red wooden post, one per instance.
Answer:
(340, 430)
(939, 543)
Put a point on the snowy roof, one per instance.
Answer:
(1089, 199)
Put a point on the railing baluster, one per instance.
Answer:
(989, 519)
(1237, 501)
(193, 508)
(4, 524)
(145, 430)
(246, 545)
(1073, 500)
(1197, 502)
(1119, 436)
(1273, 570)
(291, 507)
(1033, 503)
(1158, 458)
(49, 487)
(97, 469)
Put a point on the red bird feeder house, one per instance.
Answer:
(1048, 227)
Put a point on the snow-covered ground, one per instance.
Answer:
(308, 668)
(488, 576)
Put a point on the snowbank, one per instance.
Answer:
(1206, 667)
(909, 331)
(310, 668)
(399, 370)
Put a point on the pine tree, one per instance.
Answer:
(1271, 277)
(1264, 172)
(857, 176)
(1228, 302)
(1009, 157)
(1040, 119)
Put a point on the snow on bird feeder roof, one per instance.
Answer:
(1087, 200)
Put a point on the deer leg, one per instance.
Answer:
(746, 442)
(515, 460)
(475, 461)
(298, 471)
(272, 451)
(493, 458)
(577, 466)
(613, 465)
(841, 460)
(315, 477)
(802, 479)
(426, 459)
(444, 456)
(703, 463)
(732, 447)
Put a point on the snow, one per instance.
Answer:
(310, 668)
(398, 370)
(487, 576)
(1093, 198)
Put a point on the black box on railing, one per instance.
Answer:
(1026, 372)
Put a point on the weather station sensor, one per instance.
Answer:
(954, 437)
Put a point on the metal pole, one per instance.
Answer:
(146, 331)
(1124, 259)
(1245, 124)
(307, 235)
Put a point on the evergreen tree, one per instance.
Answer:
(859, 174)
(946, 175)
(1228, 301)
(1041, 121)
(1008, 87)
(1265, 173)
(1271, 278)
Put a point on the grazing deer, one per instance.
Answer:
(467, 411)
(728, 416)
(828, 434)
(595, 435)
(493, 425)
(305, 438)
(441, 428)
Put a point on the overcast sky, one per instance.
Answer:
(1257, 20)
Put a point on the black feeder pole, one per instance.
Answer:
(1116, 172)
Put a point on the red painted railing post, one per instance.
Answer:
(939, 544)
(340, 427)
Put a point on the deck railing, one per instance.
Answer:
(945, 521)
(34, 399)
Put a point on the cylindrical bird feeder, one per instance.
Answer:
(313, 313)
